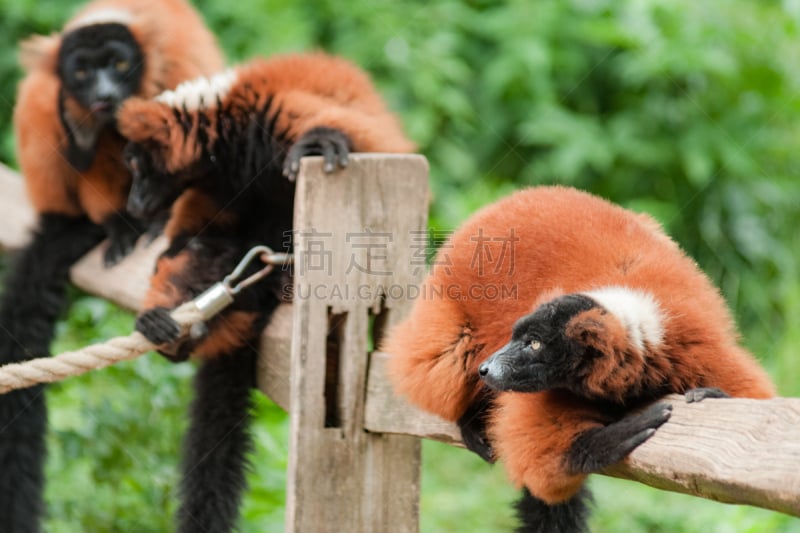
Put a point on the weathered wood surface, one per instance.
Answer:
(124, 283)
(730, 450)
(388, 413)
(354, 236)
(738, 451)
(17, 216)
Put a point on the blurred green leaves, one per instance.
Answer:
(687, 110)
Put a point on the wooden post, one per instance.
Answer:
(359, 247)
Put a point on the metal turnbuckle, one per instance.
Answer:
(221, 294)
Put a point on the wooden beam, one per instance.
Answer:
(126, 282)
(18, 217)
(388, 413)
(730, 450)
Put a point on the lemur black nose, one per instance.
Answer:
(483, 369)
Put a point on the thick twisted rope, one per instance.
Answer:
(212, 301)
(67, 364)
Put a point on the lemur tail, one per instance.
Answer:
(34, 297)
(217, 443)
(538, 517)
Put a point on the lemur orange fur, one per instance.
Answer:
(568, 242)
(177, 46)
(310, 90)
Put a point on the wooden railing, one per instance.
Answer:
(354, 451)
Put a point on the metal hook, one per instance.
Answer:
(220, 295)
(264, 252)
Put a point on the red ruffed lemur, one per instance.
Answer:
(605, 314)
(70, 153)
(226, 150)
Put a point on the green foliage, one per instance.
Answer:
(114, 435)
(683, 109)
(115, 438)
(19, 19)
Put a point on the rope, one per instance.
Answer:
(212, 301)
(67, 364)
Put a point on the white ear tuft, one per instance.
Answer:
(637, 310)
(102, 16)
(200, 93)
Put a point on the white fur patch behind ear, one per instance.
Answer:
(200, 93)
(637, 310)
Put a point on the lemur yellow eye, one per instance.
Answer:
(122, 66)
(80, 74)
(536, 344)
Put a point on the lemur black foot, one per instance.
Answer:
(595, 449)
(333, 145)
(161, 329)
(701, 393)
(473, 430)
(156, 226)
(123, 231)
(158, 326)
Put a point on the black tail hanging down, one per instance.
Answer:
(35, 295)
(536, 516)
(217, 444)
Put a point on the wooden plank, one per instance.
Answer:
(732, 450)
(388, 413)
(124, 283)
(353, 244)
(275, 357)
(18, 215)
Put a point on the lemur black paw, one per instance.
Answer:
(701, 393)
(158, 326)
(117, 250)
(595, 449)
(180, 353)
(123, 231)
(476, 441)
(156, 227)
(473, 428)
(332, 144)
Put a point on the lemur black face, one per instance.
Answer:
(100, 66)
(540, 356)
(153, 190)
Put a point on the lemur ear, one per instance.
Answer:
(598, 329)
(39, 52)
(142, 121)
(588, 329)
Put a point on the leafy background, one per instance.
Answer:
(687, 110)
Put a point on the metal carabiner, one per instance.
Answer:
(220, 295)
(230, 279)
